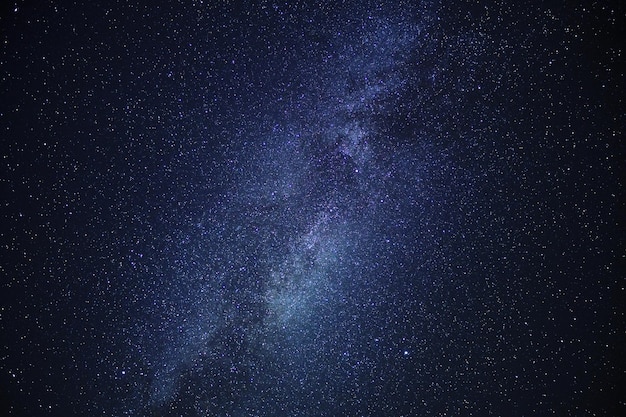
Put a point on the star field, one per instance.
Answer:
(311, 209)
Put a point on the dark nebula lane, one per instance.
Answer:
(299, 209)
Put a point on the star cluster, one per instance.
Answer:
(311, 209)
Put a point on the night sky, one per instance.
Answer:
(311, 209)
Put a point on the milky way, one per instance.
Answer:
(310, 210)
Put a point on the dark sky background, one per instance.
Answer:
(311, 209)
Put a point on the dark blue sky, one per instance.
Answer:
(299, 209)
